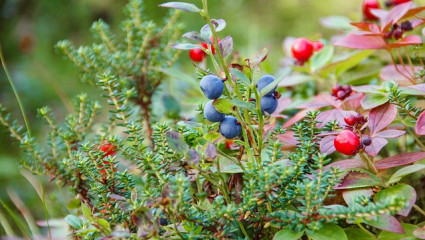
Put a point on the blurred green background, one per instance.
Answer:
(29, 29)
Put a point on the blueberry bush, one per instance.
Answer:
(329, 147)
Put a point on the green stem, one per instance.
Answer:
(419, 209)
(413, 134)
(366, 231)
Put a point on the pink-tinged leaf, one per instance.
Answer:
(327, 145)
(261, 56)
(362, 42)
(390, 133)
(363, 25)
(297, 117)
(288, 139)
(283, 103)
(210, 151)
(321, 100)
(399, 160)
(380, 13)
(420, 233)
(413, 11)
(395, 14)
(353, 196)
(416, 22)
(354, 101)
(407, 41)
(420, 124)
(390, 73)
(359, 179)
(397, 191)
(332, 115)
(345, 164)
(387, 223)
(380, 117)
(367, 88)
(375, 147)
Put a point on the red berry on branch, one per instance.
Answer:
(108, 149)
(353, 119)
(197, 54)
(347, 142)
(368, 5)
(302, 49)
(206, 45)
(317, 46)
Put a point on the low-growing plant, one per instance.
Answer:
(242, 169)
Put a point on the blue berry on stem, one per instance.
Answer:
(211, 114)
(268, 104)
(212, 86)
(229, 127)
(264, 81)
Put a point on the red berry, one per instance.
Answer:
(336, 89)
(368, 5)
(350, 120)
(341, 95)
(205, 45)
(317, 46)
(302, 49)
(197, 54)
(397, 2)
(398, 34)
(108, 149)
(347, 142)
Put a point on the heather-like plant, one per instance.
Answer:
(243, 170)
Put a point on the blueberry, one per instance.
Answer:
(212, 86)
(229, 127)
(211, 114)
(268, 104)
(264, 81)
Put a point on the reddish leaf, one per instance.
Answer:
(390, 133)
(420, 124)
(420, 233)
(399, 160)
(288, 139)
(345, 164)
(327, 145)
(407, 41)
(380, 117)
(321, 100)
(359, 179)
(396, 191)
(367, 88)
(282, 105)
(332, 115)
(380, 13)
(376, 146)
(297, 117)
(413, 11)
(416, 22)
(363, 25)
(362, 42)
(395, 14)
(353, 101)
(387, 223)
(210, 151)
(390, 73)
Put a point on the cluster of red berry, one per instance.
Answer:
(369, 5)
(341, 92)
(108, 150)
(198, 54)
(347, 142)
(302, 49)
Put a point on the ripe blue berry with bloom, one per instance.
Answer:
(264, 81)
(212, 86)
(229, 127)
(268, 104)
(211, 114)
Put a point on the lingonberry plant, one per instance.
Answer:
(243, 170)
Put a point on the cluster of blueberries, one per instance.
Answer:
(212, 87)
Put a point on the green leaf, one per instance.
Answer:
(343, 65)
(322, 57)
(337, 22)
(288, 234)
(223, 105)
(227, 166)
(279, 78)
(103, 226)
(330, 231)
(185, 46)
(354, 233)
(197, 37)
(409, 228)
(404, 172)
(399, 191)
(296, 79)
(370, 101)
(212, 136)
(188, 7)
(176, 142)
(86, 211)
(242, 104)
(74, 221)
(74, 204)
(240, 75)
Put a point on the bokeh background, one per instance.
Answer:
(29, 29)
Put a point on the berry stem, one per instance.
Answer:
(370, 165)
